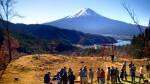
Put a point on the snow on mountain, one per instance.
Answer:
(83, 12)
(88, 21)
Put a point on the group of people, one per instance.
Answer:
(117, 76)
(114, 75)
(62, 77)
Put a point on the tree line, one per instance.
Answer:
(141, 44)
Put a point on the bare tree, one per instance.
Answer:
(132, 16)
(6, 13)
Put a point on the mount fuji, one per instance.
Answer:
(88, 21)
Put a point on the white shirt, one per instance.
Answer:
(141, 70)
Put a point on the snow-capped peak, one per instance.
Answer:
(84, 12)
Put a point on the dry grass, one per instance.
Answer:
(30, 70)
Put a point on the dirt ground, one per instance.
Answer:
(30, 69)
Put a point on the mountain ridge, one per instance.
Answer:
(88, 21)
(28, 35)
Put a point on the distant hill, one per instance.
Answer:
(31, 36)
(88, 21)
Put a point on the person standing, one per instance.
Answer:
(108, 75)
(113, 75)
(85, 80)
(64, 76)
(141, 74)
(61, 75)
(112, 57)
(130, 66)
(91, 76)
(47, 78)
(71, 78)
(69, 71)
(123, 71)
(81, 76)
(98, 75)
(124, 66)
(148, 70)
(133, 70)
(102, 76)
(117, 76)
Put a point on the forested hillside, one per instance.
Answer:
(141, 44)
(41, 37)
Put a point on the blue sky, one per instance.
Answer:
(41, 11)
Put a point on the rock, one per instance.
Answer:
(16, 79)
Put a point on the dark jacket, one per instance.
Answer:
(113, 72)
(71, 79)
(47, 78)
(148, 67)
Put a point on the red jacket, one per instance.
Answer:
(102, 74)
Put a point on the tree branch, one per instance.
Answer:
(132, 16)
(3, 7)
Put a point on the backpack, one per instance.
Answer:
(83, 73)
(64, 75)
(113, 72)
(133, 69)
